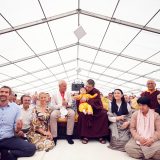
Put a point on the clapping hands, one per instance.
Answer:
(19, 125)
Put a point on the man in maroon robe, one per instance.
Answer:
(96, 125)
(151, 93)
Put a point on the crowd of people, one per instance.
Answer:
(131, 124)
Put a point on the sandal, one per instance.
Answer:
(85, 140)
(102, 140)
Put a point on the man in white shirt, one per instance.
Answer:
(26, 114)
(62, 99)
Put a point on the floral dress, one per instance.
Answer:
(40, 121)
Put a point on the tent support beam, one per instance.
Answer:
(78, 11)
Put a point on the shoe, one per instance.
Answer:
(102, 140)
(84, 140)
(6, 155)
(69, 139)
(55, 140)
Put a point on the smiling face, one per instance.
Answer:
(117, 95)
(26, 101)
(42, 98)
(151, 85)
(4, 94)
(62, 86)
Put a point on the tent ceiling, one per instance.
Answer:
(120, 50)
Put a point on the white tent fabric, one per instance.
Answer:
(38, 47)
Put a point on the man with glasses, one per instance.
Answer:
(152, 93)
(96, 125)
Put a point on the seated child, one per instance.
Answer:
(84, 106)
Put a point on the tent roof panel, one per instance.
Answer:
(94, 34)
(118, 36)
(105, 7)
(137, 11)
(12, 47)
(19, 12)
(58, 6)
(64, 34)
(31, 64)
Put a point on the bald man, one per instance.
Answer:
(62, 98)
(152, 93)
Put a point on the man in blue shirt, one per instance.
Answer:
(11, 147)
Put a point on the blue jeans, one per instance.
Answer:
(14, 147)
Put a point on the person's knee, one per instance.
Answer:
(127, 147)
(30, 150)
(71, 113)
(132, 152)
(157, 155)
(54, 115)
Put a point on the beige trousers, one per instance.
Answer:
(135, 151)
(70, 121)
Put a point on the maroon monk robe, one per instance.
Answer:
(152, 97)
(96, 125)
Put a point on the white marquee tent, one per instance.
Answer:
(38, 47)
